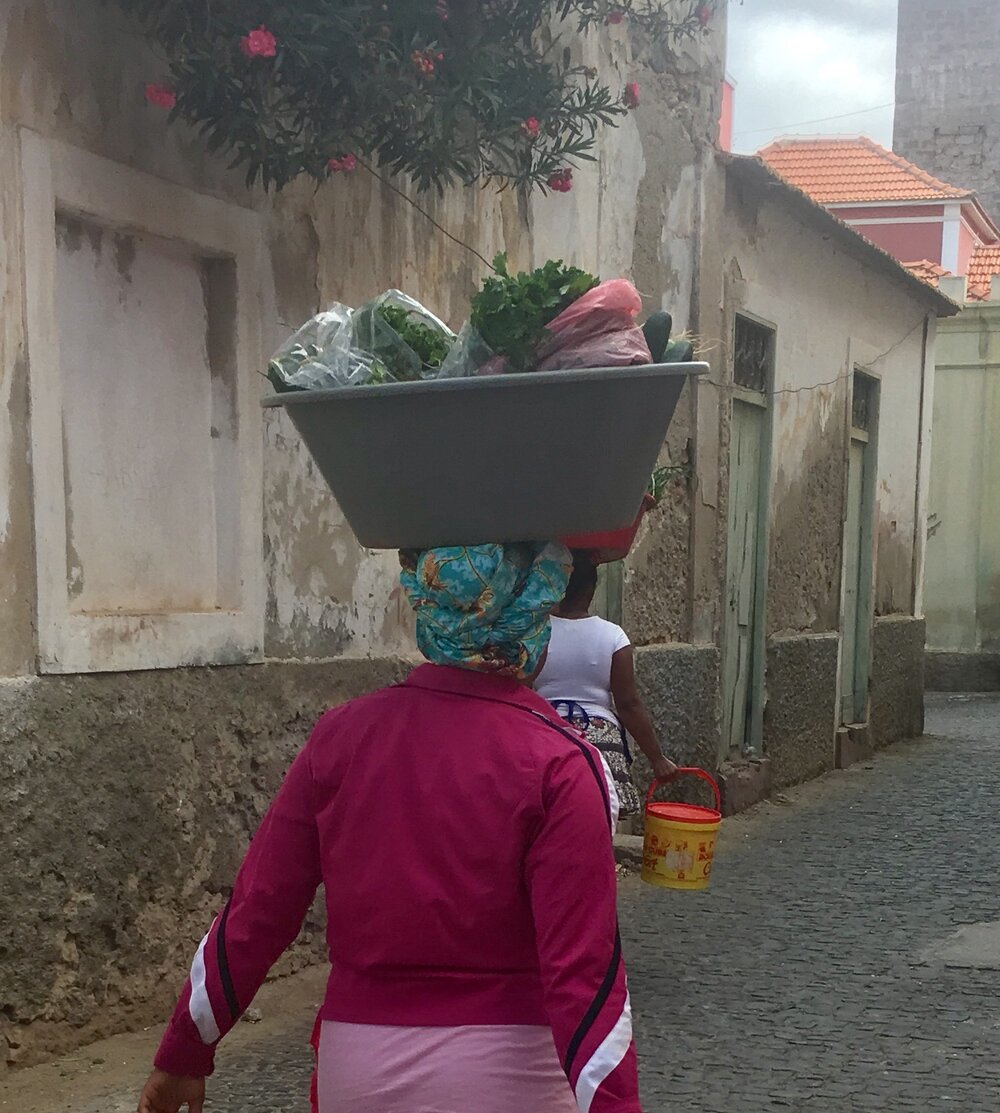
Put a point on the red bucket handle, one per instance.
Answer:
(690, 771)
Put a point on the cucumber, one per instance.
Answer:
(678, 351)
(657, 333)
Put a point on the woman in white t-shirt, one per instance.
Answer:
(589, 677)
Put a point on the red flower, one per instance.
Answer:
(441, 8)
(631, 96)
(531, 127)
(424, 61)
(162, 96)
(704, 14)
(343, 165)
(615, 16)
(259, 44)
(561, 181)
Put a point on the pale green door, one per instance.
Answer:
(744, 611)
(608, 597)
(857, 588)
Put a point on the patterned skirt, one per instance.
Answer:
(609, 738)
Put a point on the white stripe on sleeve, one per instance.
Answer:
(614, 804)
(200, 1006)
(605, 1059)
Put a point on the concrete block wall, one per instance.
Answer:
(948, 93)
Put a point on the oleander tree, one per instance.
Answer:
(442, 91)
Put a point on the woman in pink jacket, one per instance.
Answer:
(476, 964)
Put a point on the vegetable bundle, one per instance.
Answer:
(552, 318)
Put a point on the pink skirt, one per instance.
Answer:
(367, 1068)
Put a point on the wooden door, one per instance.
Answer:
(610, 589)
(857, 604)
(743, 607)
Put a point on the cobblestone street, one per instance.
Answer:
(826, 970)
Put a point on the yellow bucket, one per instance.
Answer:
(679, 843)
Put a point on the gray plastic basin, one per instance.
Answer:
(531, 457)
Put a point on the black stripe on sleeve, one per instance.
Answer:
(225, 975)
(600, 1000)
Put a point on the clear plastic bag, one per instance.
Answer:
(390, 339)
(407, 340)
(470, 355)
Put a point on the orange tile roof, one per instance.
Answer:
(929, 272)
(984, 265)
(833, 171)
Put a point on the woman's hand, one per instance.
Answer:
(663, 768)
(169, 1093)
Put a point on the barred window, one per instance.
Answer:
(753, 352)
(863, 403)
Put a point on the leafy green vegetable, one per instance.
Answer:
(282, 367)
(661, 477)
(511, 311)
(430, 345)
(404, 347)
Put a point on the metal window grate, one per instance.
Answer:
(752, 355)
(863, 402)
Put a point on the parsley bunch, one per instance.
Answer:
(511, 311)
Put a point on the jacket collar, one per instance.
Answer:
(481, 685)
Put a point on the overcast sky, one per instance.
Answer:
(798, 62)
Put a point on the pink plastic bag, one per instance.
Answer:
(597, 330)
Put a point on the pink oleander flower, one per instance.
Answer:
(441, 9)
(531, 127)
(343, 165)
(561, 181)
(615, 17)
(259, 44)
(704, 14)
(161, 96)
(631, 96)
(424, 61)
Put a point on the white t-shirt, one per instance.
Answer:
(578, 666)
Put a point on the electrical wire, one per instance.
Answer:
(870, 366)
(818, 120)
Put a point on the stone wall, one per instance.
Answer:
(679, 684)
(897, 682)
(801, 711)
(961, 672)
(128, 802)
(948, 93)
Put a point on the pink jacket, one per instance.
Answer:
(460, 830)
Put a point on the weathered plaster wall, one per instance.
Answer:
(634, 212)
(832, 314)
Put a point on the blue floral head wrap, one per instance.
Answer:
(486, 607)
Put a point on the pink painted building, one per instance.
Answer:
(914, 216)
(726, 119)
